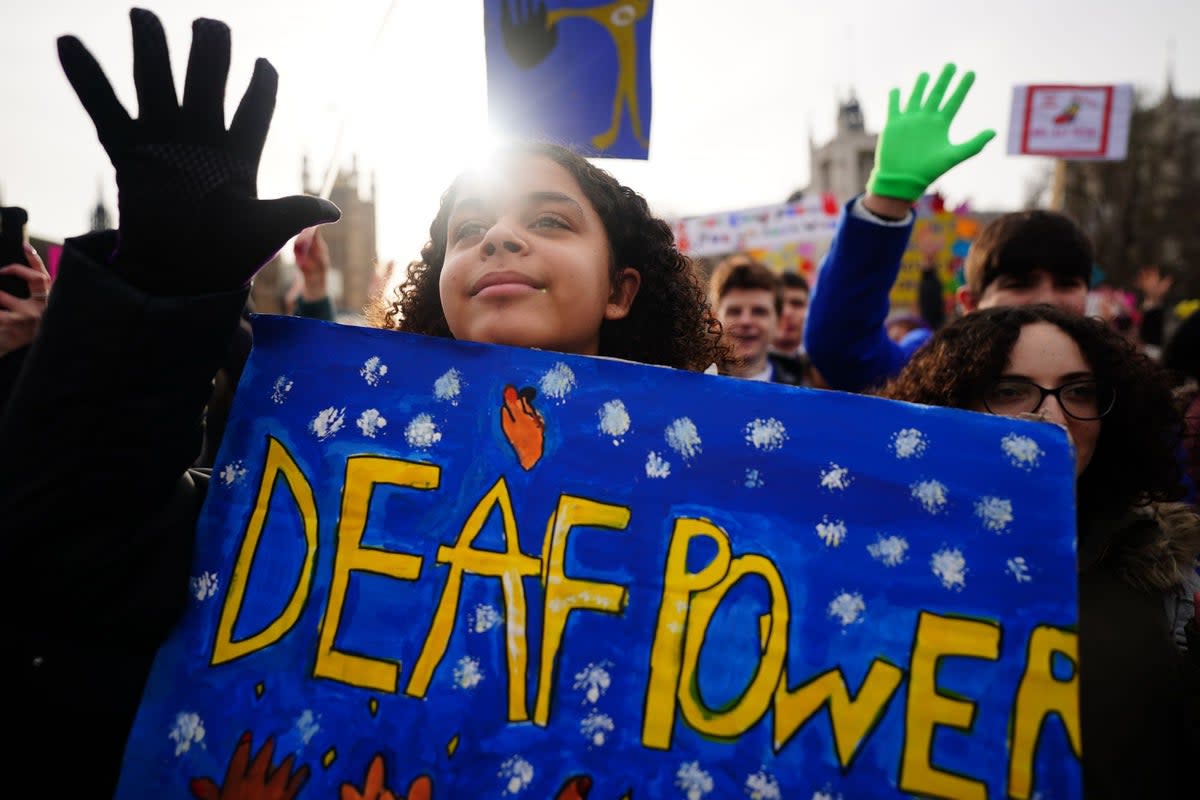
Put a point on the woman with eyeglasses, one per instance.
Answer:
(1137, 551)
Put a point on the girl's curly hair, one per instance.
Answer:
(1135, 458)
(670, 322)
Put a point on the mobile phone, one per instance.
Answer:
(12, 248)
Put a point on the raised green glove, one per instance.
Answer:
(914, 147)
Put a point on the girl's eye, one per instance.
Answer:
(469, 229)
(1011, 392)
(548, 221)
(1081, 391)
(1014, 282)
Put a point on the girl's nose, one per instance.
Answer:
(503, 236)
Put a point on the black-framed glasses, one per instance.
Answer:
(1086, 399)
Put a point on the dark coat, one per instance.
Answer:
(97, 561)
(789, 370)
(1139, 692)
(10, 368)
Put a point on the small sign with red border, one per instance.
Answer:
(1071, 122)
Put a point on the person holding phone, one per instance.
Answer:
(24, 290)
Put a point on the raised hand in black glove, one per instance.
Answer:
(190, 218)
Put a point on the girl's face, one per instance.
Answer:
(527, 261)
(1045, 355)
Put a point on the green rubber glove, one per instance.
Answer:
(914, 147)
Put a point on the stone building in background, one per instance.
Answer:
(842, 165)
(268, 294)
(351, 240)
(102, 219)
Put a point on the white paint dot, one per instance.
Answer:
(558, 382)
(656, 467)
(832, 532)
(909, 443)
(1022, 451)
(328, 422)
(683, 437)
(931, 495)
(951, 567)
(614, 420)
(890, 550)
(766, 434)
(835, 478)
(448, 386)
(847, 608)
(996, 513)
(422, 432)
(373, 370)
(370, 422)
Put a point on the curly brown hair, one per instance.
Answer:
(670, 322)
(1135, 460)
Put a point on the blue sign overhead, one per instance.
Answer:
(576, 74)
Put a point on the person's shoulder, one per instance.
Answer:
(1153, 547)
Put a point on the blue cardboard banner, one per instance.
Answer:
(570, 72)
(445, 569)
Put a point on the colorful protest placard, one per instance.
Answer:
(1071, 122)
(577, 74)
(448, 570)
(941, 236)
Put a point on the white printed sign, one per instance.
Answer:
(1071, 122)
(812, 220)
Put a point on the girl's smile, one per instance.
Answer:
(504, 283)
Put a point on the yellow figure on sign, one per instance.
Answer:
(531, 37)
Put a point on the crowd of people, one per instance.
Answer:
(113, 434)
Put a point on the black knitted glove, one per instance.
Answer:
(190, 220)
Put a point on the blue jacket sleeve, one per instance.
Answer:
(844, 334)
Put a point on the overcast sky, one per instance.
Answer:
(738, 90)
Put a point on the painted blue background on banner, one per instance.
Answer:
(870, 510)
(571, 68)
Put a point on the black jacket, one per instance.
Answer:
(789, 370)
(1139, 692)
(98, 508)
(10, 368)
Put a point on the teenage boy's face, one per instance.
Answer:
(749, 319)
(1068, 292)
(527, 261)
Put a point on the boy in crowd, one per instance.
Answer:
(747, 298)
